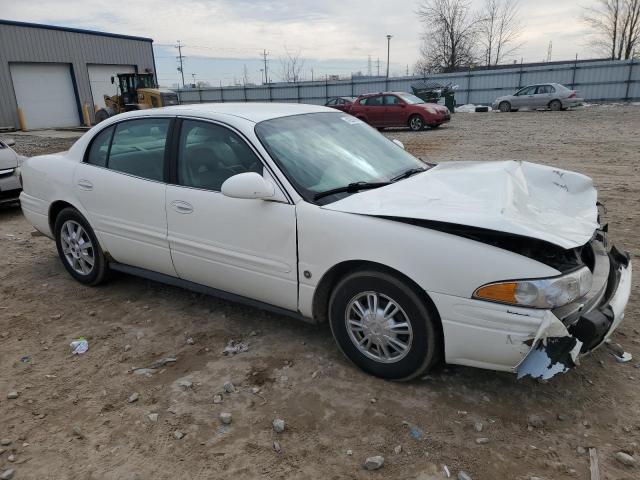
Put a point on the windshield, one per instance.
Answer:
(322, 151)
(410, 99)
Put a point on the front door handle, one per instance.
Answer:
(181, 206)
(85, 184)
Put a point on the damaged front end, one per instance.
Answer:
(583, 325)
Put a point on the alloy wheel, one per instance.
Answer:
(415, 123)
(77, 247)
(378, 327)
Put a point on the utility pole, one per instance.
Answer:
(262, 75)
(312, 74)
(264, 56)
(388, 48)
(180, 58)
(369, 66)
(549, 50)
(194, 79)
(245, 74)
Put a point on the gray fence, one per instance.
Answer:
(606, 80)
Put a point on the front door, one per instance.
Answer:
(395, 112)
(524, 98)
(121, 185)
(245, 247)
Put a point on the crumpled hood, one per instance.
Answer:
(522, 198)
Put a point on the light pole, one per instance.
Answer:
(194, 79)
(388, 48)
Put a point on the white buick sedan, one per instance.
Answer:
(311, 213)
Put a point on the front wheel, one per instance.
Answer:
(383, 326)
(78, 248)
(504, 107)
(416, 123)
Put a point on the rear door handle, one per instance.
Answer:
(85, 184)
(181, 206)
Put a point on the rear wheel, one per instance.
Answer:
(504, 107)
(382, 325)
(555, 105)
(416, 123)
(78, 248)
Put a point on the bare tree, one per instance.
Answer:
(615, 27)
(449, 37)
(499, 29)
(291, 65)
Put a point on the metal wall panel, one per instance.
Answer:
(26, 43)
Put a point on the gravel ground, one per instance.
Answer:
(76, 416)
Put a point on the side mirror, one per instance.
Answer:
(9, 142)
(247, 185)
(398, 143)
(113, 80)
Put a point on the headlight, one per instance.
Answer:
(539, 293)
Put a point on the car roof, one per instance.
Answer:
(252, 111)
(364, 95)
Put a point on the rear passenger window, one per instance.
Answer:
(138, 148)
(100, 148)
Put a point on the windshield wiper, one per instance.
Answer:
(352, 187)
(408, 173)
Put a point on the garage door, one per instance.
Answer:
(100, 79)
(45, 94)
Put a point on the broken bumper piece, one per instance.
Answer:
(556, 347)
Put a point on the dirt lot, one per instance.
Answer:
(336, 416)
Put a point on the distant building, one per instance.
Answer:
(53, 73)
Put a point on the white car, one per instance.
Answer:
(309, 212)
(10, 186)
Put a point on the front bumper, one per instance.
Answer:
(10, 186)
(535, 342)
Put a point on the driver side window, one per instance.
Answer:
(209, 154)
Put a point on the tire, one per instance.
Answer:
(416, 123)
(421, 340)
(555, 105)
(72, 232)
(102, 115)
(504, 107)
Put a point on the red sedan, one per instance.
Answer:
(398, 109)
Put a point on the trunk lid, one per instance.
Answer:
(521, 198)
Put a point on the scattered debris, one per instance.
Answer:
(25, 359)
(217, 398)
(397, 450)
(178, 435)
(56, 316)
(482, 440)
(625, 459)
(127, 347)
(228, 387)
(7, 474)
(190, 341)
(153, 417)
(416, 433)
(536, 421)
(225, 418)
(277, 447)
(374, 463)
(581, 450)
(278, 425)
(463, 475)
(133, 397)
(13, 395)
(11, 458)
(79, 346)
(234, 347)
(446, 471)
(154, 366)
(616, 350)
(92, 313)
(255, 390)
(478, 426)
(77, 432)
(5, 442)
(185, 384)
(593, 464)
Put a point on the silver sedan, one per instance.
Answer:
(547, 95)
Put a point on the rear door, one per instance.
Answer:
(245, 247)
(374, 111)
(544, 95)
(395, 112)
(121, 184)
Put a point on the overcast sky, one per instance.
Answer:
(334, 36)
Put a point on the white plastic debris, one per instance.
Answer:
(79, 346)
(234, 347)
